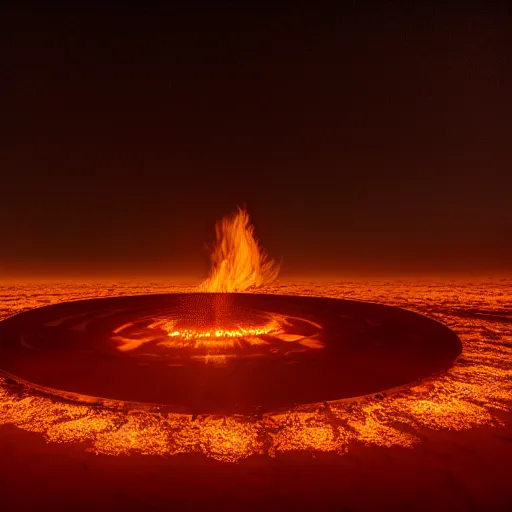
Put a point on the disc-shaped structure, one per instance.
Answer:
(223, 353)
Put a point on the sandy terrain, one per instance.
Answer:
(444, 446)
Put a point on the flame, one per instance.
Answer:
(238, 261)
(189, 334)
(217, 337)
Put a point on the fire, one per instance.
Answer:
(238, 261)
(189, 334)
(217, 337)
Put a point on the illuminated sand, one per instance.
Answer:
(474, 395)
(223, 353)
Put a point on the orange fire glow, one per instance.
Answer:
(238, 261)
(218, 338)
(474, 394)
(190, 334)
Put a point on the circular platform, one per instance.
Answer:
(223, 353)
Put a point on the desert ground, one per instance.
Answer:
(444, 444)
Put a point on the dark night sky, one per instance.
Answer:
(361, 140)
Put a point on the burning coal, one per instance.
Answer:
(238, 261)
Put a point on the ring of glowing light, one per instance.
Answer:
(317, 350)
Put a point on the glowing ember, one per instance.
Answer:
(238, 262)
(218, 338)
(242, 332)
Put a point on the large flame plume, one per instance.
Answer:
(238, 261)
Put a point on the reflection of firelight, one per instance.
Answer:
(191, 334)
(214, 317)
(215, 331)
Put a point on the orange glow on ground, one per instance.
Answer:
(475, 393)
(218, 338)
(188, 334)
(220, 333)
